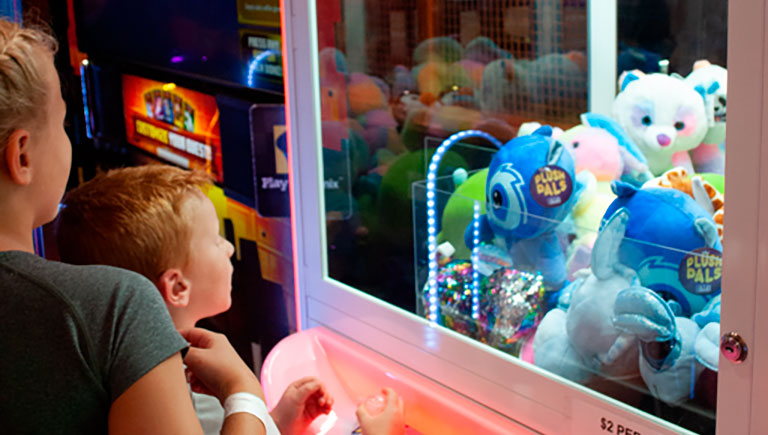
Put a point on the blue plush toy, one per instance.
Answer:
(577, 339)
(661, 219)
(530, 189)
(671, 242)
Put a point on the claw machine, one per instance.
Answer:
(523, 202)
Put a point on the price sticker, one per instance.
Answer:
(589, 419)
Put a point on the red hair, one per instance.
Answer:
(131, 218)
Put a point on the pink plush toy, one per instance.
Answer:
(595, 150)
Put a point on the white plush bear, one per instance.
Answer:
(712, 82)
(665, 117)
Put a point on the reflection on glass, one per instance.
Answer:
(591, 247)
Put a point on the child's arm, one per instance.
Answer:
(158, 403)
(388, 419)
(302, 402)
(219, 371)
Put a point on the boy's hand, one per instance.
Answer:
(389, 419)
(214, 368)
(302, 402)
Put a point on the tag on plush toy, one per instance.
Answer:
(551, 186)
(701, 271)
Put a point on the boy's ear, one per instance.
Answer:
(174, 288)
(16, 157)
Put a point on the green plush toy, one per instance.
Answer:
(440, 48)
(457, 214)
(395, 202)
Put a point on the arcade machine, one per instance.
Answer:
(186, 84)
(549, 177)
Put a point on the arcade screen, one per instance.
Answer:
(176, 124)
(235, 41)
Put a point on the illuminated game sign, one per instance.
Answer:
(176, 124)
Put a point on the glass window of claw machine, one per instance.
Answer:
(524, 201)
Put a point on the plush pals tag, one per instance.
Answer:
(700, 271)
(551, 186)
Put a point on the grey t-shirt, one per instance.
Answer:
(72, 339)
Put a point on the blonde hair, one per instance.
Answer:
(23, 92)
(130, 218)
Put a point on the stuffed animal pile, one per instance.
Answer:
(598, 239)
(632, 265)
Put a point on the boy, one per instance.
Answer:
(156, 220)
(82, 349)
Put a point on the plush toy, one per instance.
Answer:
(502, 91)
(636, 58)
(603, 153)
(402, 81)
(437, 121)
(395, 199)
(550, 86)
(364, 94)
(447, 120)
(531, 126)
(635, 166)
(601, 146)
(530, 189)
(442, 48)
(595, 150)
(577, 339)
(436, 78)
(663, 115)
(698, 188)
(671, 243)
(665, 226)
(457, 214)
(556, 81)
(404, 106)
(711, 81)
(474, 71)
(586, 217)
(496, 128)
(331, 61)
(416, 127)
(484, 51)
(370, 114)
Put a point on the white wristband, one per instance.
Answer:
(246, 402)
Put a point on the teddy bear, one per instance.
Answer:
(711, 81)
(663, 115)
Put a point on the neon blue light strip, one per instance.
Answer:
(432, 303)
(37, 237)
(11, 9)
(475, 251)
(86, 110)
(255, 62)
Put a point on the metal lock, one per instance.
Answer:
(733, 347)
